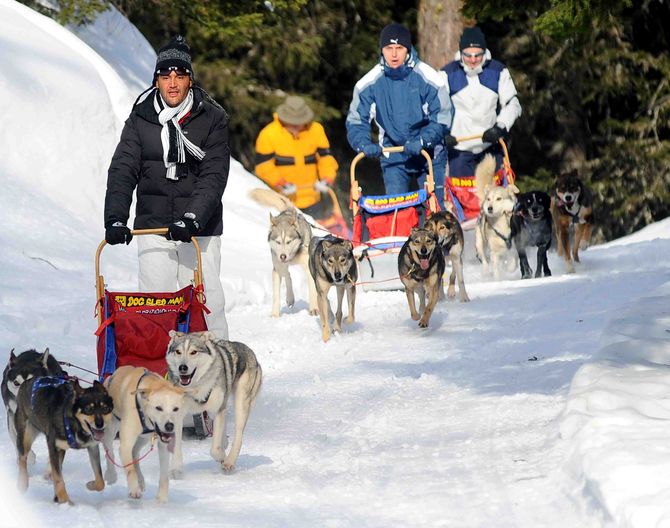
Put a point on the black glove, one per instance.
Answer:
(118, 233)
(184, 229)
(493, 134)
(450, 141)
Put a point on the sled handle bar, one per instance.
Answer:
(506, 162)
(100, 281)
(356, 190)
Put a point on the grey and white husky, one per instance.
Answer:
(288, 238)
(332, 263)
(27, 365)
(493, 232)
(211, 370)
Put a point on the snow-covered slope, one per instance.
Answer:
(540, 403)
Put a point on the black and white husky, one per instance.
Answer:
(27, 365)
(211, 370)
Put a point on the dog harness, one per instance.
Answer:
(507, 240)
(56, 381)
(143, 422)
(575, 216)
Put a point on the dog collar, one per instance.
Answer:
(143, 422)
(56, 381)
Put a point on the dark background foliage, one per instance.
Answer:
(593, 79)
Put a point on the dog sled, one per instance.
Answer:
(461, 191)
(383, 223)
(133, 327)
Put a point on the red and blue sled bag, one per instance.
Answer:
(135, 327)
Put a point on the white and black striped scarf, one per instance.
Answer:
(175, 143)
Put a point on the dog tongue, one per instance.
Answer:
(170, 444)
(424, 264)
(98, 434)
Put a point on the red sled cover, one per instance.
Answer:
(136, 325)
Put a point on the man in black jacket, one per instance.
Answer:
(174, 152)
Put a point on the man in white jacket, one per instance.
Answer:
(485, 103)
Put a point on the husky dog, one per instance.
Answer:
(450, 238)
(421, 266)
(69, 417)
(531, 225)
(144, 404)
(571, 206)
(25, 366)
(289, 238)
(493, 233)
(211, 370)
(332, 263)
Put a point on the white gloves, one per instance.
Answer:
(321, 186)
(288, 189)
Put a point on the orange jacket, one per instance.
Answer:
(282, 159)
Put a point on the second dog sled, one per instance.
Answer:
(382, 225)
(133, 327)
(461, 191)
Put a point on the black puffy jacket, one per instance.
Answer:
(138, 163)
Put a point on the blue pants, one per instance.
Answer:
(400, 175)
(464, 163)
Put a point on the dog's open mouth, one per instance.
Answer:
(166, 438)
(185, 379)
(97, 434)
(424, 263)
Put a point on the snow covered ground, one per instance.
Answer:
(540, 403)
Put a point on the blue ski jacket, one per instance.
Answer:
(406, 103)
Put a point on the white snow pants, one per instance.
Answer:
(166, 266)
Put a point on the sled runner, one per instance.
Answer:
(382, 225)
(460, 191)
(133, 327)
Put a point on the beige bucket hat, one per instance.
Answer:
(295, 111)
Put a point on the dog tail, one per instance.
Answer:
(270, 198)
(484, 174)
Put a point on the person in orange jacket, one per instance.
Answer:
(293, 157)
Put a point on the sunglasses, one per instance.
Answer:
(475, 55)
(179, 70)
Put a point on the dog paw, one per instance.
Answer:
(465, 298)
(162, 497)
(135, 493)
(22, 484)
(94, 485)
(227, 467)
(177, 474)
(350, 319)
(415, 316)
(423, 324)
(314, 311)
(275, 314)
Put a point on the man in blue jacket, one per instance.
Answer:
(410, 105)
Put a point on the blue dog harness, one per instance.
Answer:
(55, 381)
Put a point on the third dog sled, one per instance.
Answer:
(461, 191)
(382, 225)
(133, 327)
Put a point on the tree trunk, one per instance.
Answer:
(440, 25)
